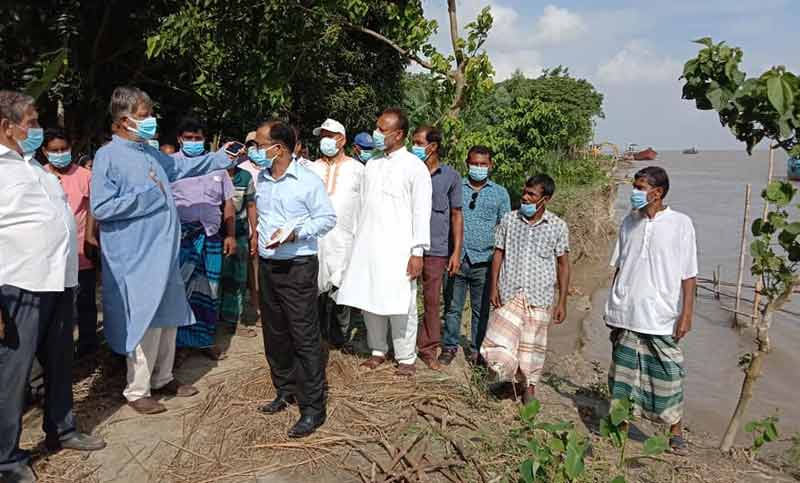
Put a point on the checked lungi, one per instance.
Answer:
(201, 263)
(233, 284)
(648, 371)
(516, 341)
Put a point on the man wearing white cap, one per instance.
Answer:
(342, 176)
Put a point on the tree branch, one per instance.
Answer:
(453, 17)
(408, 55)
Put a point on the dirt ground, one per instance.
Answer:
(440, 427)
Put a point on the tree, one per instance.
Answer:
(754, 109)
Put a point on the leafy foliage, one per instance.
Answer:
(615, 428)
(763, 431)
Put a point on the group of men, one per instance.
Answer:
(184, 239)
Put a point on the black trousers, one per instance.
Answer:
(38, 324)
(334, 319)
(292, 340)
(87, 310)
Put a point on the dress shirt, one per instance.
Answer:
(491, 204)
(38, 234)
(297, 195)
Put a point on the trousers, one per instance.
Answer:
(404, 332)
(150, 363)
(38, 324)
(429, 336)
(292, 339)
(473, 279)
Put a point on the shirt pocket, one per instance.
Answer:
(212, 191)
(440, 202)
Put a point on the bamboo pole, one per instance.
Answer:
(742, 253)
(759, 282)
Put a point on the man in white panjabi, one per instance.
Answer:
(342, 176)
(393, 232)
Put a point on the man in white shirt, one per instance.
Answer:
(651, 304)
(342, 176)
(393, 232)
(38, 276)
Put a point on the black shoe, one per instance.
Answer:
(447, 356)
(75, 440)
(20, 474)
(307, 425)
(277, 405)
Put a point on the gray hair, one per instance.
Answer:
(125, 100)
(13, 105)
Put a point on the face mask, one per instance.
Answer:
(419, 151)
(154, 143)
(259, 156)
(478, 173)
(379, 139)
(328, 147)
(33, 141)
(365, 155)
(638, 199)
(528, 209)
(59, 160)
(193, 148)
(145, 129)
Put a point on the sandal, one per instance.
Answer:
(679, 446)
(373, 362)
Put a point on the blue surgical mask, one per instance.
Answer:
(478, 173)
(328, 147)
(33, 141)
(366, 155)
(379, 140)
(638, 199)
(419, 151)
(259, 157)
(528, 209)
(193, 148)
(59, 160)
(154, 143)
(145, 129)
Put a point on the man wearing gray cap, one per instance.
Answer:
(342, 176)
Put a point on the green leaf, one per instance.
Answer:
(555, 427)
(775, 93)
(605, 428)
(527, 472)
(707, 41)
(771, 432)
(557, 446)
(529, 412)
(573, 465)
(751, 426)
(793, 228)
(618, 479)
(38, 86)
(758, 442)
(656, 445)
(620, 411)
(758, 226)
(717, 98)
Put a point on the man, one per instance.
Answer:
(75, 181)
(38, 276)
(167, 149)
(342, 176)
(300, 150)
(144, 299)
(447, 234)
(531, 256)
(393, 233)
(293, 213)
(198, 201)
(651, 304)
(363, 147)
(485, 203)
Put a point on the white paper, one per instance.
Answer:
(285, 231)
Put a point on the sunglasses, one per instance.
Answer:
(474, 198)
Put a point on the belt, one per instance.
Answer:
(301, 260)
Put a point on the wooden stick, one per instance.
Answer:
(742, 253)
(759, 282)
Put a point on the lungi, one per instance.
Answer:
(516, 341)
(647, 370)
(201, 263)
(233, 283)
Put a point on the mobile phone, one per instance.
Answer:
(234, 148)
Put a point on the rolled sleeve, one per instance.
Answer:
(321, 215)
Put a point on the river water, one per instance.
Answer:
(710, 187)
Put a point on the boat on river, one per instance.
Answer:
(793, 169)
(632, 152)
(691, 150)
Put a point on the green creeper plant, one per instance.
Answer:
(556, 450)
(754, 109)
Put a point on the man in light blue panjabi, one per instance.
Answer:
(144, 300)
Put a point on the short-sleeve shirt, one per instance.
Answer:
(531, 249)
(75, 182)
(244, 193)
(483, 210)
(653, 257)
(447, 196)
(200, 199)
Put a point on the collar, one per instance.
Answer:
(139, 145)
(546, 217)
(293, 170)
(659, 216)
(465, 182)
(7, 152)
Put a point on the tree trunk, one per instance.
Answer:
(751, 375)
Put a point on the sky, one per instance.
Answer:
(633, 51)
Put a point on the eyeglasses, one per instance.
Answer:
(474, 198)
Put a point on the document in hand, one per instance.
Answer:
(285, 231)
